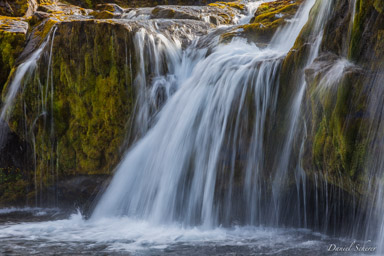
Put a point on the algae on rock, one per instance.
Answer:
(266, 20)
(78, 102)
(12, 40)
(17, 8)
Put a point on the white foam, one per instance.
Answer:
(126, 234)
(36, 211)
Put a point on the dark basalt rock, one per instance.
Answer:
(79, 192)
(15, 165)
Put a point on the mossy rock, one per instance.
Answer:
(379, 6)
(102, 14)
(339, 123)
(366, 40)
(12, 41)
(89, 104)
(12, 191)
(114, 8)
(16, 176)
(337, 118)
(138, 3)
(272, 11)
(214, 14)
(269, 16)
(163, 13)
(74, 109)
(226, 5)
(267, 19)
(17, 8)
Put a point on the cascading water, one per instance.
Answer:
(375, 163)
(24, 74)
(162, 56)
(296, 127)
(22, 70)
(26, 68)
(205, 166)
(203, 133)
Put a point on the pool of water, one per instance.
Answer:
(37, 231)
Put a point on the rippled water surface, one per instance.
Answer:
(46, 233)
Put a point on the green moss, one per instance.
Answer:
(366, 38)
(18, 8)
(336, 117)
(268, 17)
(379, 6)
(91, 103)
(89, 3)
(362, 11)
(224, 5)
(44, 28)
(379, 48)
(102, 14)
(21, 7)
(272, 11)
(13, 186)
(11, 45)
(166, 13)
(339, 145)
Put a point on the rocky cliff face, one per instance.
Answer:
(73, 111)
(340, 84)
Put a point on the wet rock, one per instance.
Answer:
(138, 13)
(62, 10)
(229, 5)
(211, 14)
(13, 25)
(114, 8)
(138, 3)
(103, 15)
(379, 6)
(13, 32)
(79, 192)
(15, 164)
(339, 83)
(267, 19)
(93, 66)
(39, 16)
(367, 39)
(17, 8)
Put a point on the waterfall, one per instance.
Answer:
(23, 69)
(296, 127)
(221, 148)
(24, 74)
(161, 63)
(375, 164)
(207, 138)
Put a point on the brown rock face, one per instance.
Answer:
(17, 8)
